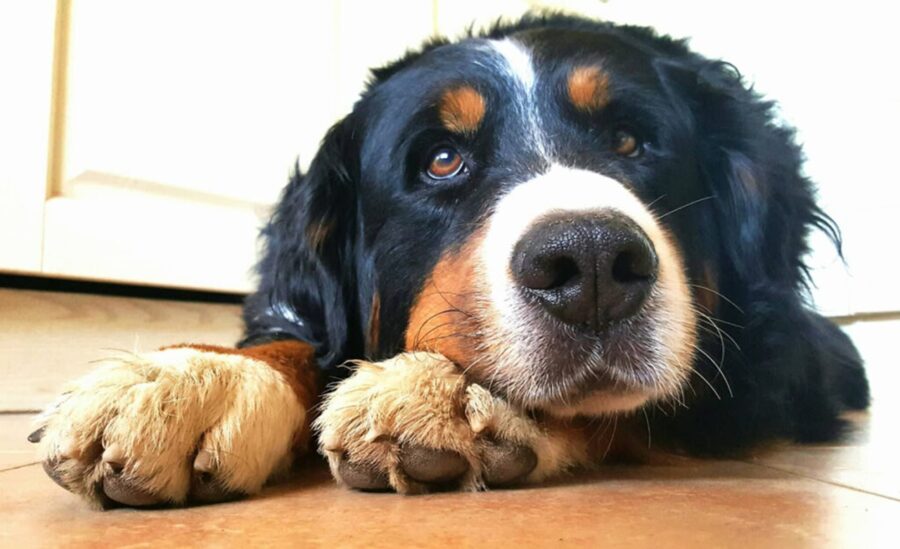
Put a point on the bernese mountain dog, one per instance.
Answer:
(546, 244)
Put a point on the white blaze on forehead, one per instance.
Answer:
(518, 60)
(517, 63)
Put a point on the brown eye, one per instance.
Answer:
(445, 163)
(626, 144)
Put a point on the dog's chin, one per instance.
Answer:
(602, 402)
(588, 376)
(584, 391)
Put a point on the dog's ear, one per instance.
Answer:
(753, 168)
(307, 288)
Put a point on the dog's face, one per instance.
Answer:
(525, 173)
(553, 207)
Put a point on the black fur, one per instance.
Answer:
(725, 177)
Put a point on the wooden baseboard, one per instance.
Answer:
(48, 338)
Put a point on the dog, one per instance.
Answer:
(522, 252)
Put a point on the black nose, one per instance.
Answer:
(586, 270)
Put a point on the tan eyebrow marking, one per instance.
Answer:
(588, 88)
(461, 109)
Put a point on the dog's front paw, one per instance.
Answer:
(169, 427)
(413, 423)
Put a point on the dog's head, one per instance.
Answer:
(557, 206)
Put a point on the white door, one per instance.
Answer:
(178, 124)
(26, 66)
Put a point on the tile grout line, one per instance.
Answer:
(19, 412)
(823, 481)
(15, 467)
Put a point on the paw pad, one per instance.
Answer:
(432, 466)
(363, 476)
(507, 464)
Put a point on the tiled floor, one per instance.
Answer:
(844, 495)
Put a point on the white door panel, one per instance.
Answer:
(217, 97)
(204, 105)
(152, 240)
(26, 66)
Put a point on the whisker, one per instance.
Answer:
(718, 368)
(420, 337)
(655, 200)
(708, 289)
(444, 297)
(611, 438)
(472, 364)
(417, 339)
(604, 423)
(683, 206)
(447, 336)
(722, 333)
(445, 293)
(708, 384)
(647, 421)
(725, 322)
(719, 333)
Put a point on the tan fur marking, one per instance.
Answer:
(462, 109)
(440, 320)
(588, 88)
(374, 331)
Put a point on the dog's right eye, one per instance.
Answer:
(444, 163)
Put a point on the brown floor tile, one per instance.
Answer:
(49, 338)
(867, 468)
(814, 496)
(15, 450)
(716, 504)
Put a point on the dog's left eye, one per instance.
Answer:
(444, 163)
(627, 144)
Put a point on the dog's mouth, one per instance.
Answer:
(569, 370)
